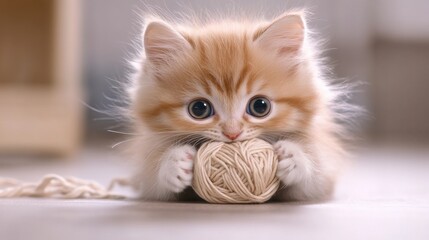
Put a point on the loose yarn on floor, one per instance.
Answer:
(54, 186)
(239, 172)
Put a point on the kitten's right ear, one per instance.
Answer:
(162, 43)
(285, 35)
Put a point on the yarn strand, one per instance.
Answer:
(55, 186)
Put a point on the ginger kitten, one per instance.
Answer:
(232, 81)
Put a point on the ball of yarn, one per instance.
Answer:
(238, 172)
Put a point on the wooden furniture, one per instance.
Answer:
(40, 76)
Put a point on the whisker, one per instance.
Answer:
(125, 141)
(124, 133)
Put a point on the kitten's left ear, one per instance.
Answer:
(285, 35)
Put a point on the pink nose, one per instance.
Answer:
(232, 136)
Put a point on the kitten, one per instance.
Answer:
(231, 81)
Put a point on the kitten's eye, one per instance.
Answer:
(200, 109)
(259, 107)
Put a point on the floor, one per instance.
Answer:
(384, 194)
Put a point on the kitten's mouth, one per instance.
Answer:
(194, 140)
(198, 140)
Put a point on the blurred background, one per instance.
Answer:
(62, 63)
(57, 57)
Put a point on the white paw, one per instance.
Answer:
(293, 164)
(177, 164)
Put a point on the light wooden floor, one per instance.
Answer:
(383, 195)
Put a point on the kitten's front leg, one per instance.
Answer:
(175, 172)
(301, 173)
(294, 166)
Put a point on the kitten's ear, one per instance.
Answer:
(162, 43)
(285, 35)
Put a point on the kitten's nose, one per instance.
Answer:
(232, 136)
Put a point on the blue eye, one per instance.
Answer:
(259, 107)
(200, 109)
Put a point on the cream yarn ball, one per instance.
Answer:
(238, 172)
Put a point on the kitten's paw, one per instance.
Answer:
(293, 164)
(176, 170)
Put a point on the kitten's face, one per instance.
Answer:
(226, 83)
